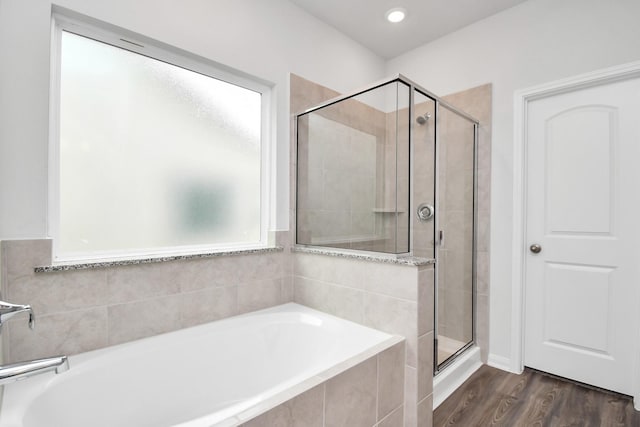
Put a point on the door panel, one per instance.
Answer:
(579, 147)
(582, 195)
(586, 329)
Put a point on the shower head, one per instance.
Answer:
(423, 118)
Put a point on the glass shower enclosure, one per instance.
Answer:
(353, 172)
(391, 169)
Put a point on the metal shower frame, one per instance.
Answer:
(439, 102)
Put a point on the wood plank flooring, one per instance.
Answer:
(492, 397)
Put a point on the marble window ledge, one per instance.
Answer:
(151, 260)
(388, 259)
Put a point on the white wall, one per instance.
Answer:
(535, 42)
(268, 39)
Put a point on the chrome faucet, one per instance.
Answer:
(17, 371)
(8, 310)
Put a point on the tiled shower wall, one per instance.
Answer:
(347, 155)
(83, 310)
(395, 182)
(338, 158)
(454, 297)
(455, 206)
(455, 257)
(423, 178)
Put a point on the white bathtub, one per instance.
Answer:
(221, 373)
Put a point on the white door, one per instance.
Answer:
(583, 210)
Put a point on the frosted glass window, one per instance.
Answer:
(153, 155)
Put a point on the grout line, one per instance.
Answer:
(5, 343)
(378, 385)
(390, 414)
(355, 289)
(324, 403)
(107, 341)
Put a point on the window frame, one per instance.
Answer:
(64, 20)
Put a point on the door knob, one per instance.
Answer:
(535, 248)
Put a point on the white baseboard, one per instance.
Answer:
(452, 377)
(500, 362)
(503, 363)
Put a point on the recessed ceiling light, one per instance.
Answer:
(396, 14)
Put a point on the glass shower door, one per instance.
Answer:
(455, 236)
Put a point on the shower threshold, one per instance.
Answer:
(453, 376)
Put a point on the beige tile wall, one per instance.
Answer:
(455, 208)
(393, 298)
(423, 177)
(367, 395)
(339, 170)
(338, 175)
(83, 310)
(395, 182)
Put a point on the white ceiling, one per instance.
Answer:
(364, 20)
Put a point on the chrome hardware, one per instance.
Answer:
(535, 248)
(8, 310)
(425, 212)
(423, 118)
(18, 371)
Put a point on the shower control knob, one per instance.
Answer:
(535, 248)
(425, 212)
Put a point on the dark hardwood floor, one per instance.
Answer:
(492, 397)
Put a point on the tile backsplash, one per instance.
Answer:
(82, 310)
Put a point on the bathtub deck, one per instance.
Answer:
(492, 397)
